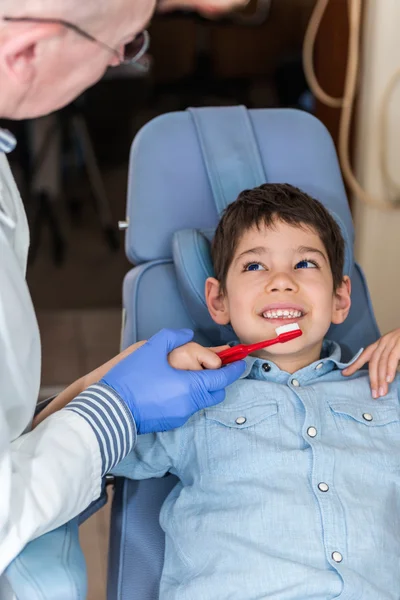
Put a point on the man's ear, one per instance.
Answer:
(341, 301)
(19, 51)
(217, 302)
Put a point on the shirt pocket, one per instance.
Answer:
(371, 431)
(242, 440)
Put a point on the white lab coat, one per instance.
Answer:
(51, 474)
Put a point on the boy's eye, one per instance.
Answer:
(254, 266)
(306, 264)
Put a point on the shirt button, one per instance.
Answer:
(323, 487)
(241, 420)
(312, 432)
(367, 417)
(266, 367)
(319, 366)
(337, 557)
(295, 383)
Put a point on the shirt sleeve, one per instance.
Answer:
(154, 455)
(51, 474)
(111, 421)
(54, 472)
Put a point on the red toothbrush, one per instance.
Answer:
(283, 334)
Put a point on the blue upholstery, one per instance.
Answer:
(51, 567)
(171, 189)
(184, 168)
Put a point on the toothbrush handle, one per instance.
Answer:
(242, 350)
(231, 354)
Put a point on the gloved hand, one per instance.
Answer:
(160, 397)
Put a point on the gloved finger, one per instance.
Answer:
(220, 378)
(171, 338)
(217, 397)
(210, 399)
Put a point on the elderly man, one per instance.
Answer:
(50, 51)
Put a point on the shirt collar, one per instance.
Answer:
(258, 368)
(7, 141)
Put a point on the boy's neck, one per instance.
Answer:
(292, 362)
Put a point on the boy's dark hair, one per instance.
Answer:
(264, 205)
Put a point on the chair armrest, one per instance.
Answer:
(52, 567)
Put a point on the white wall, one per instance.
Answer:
(378, 233)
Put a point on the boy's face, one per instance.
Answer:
(280, 275)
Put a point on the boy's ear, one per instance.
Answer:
(217, 303)
(342, 301)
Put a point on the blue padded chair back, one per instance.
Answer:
(173, 186)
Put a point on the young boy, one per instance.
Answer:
(290, 488)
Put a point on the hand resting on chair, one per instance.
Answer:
(383, 357)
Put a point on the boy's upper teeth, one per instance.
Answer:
(282, 313)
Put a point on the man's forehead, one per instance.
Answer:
(126, 17)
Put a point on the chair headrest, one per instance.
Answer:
(186, 166)
(193, 265)
(169, 183)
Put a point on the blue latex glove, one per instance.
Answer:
(160, 397)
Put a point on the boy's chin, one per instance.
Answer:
(286, 349)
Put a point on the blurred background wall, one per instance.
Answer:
(378, 232)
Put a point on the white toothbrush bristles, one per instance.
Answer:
(287, 328)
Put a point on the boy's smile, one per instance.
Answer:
(283, 313)
(280, 275)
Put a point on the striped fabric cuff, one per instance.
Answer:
(110, 420)
(7, 141)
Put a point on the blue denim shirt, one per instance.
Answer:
(289, 489)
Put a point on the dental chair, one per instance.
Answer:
(185, 168)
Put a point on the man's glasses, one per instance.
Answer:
(132, 52)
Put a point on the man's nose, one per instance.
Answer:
(281, 282)
(115, 60)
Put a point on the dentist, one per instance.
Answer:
(50, 51)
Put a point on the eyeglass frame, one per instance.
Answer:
(88, 36)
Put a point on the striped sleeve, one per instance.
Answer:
(7, 141)
(110, 420)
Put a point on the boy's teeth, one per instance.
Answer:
(282, 314)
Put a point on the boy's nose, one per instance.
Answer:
(281, 282)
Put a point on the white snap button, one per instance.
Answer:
(241, 420)
(295, 382)
(337, 557)
(319, 366)
(312, 432)
(323, 487)
(367, 417)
